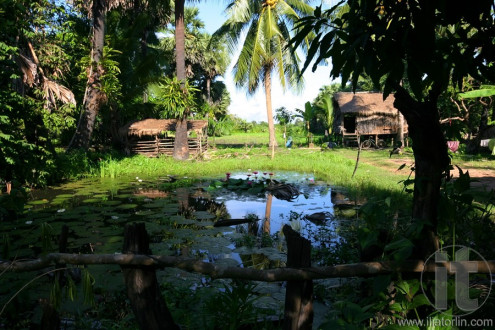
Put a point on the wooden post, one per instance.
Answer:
(51, 318)
(157, 146)
(142, 286)
(299, 294)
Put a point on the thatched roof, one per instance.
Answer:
(365, 103)
(157, 126)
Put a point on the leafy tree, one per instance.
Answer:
(94, 95)
(178, 101)
(265, 49)
(33, 72)
(130, 33)
(421, 44)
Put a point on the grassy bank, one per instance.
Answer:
(330, 166)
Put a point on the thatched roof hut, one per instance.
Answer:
(149, 136)
(366, 113)
(154, 127)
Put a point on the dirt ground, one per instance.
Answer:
(482, 178)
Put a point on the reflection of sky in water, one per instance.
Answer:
(313, 198)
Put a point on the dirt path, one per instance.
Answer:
(483, 178)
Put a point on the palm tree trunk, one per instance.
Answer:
(180, 57)
(181, 145)
(94, 96)
(269, 112)
(208, 90)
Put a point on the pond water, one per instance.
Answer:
(179, 213)
(181, 216)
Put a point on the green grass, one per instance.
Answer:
(258, 139)
(331, 166)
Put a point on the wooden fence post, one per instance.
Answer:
(142, 286)
(299, 294)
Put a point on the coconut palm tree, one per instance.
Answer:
(266, 26)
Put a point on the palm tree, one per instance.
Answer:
(307, 115)
(215, 61)
(265, 49)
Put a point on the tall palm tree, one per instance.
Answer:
(215, 60)
(265, 49)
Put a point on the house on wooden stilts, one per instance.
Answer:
(153, 137)
(365, 114)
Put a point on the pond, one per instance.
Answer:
(184, 217)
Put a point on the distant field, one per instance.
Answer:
(257, 139)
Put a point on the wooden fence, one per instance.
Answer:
(153, 148)
(139, 270)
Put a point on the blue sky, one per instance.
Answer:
(254, 107)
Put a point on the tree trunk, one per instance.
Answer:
(431, 162)
(269, 112)
(400, 135)
(180, 57)
(208, 90)
(298, 312)
(181, 144)
(94, 97)
(142, 285)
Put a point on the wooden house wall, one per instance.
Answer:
(377, 124)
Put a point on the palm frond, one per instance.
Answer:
(29, 70)
(54, 91)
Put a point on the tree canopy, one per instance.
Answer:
(413, 49)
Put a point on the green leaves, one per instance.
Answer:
(484, 91)
(176, 98)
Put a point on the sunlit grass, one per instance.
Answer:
(331, 166)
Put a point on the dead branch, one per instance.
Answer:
(446, 120)
(216, 271)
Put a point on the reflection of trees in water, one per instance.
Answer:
(268, 214)
(197, 200)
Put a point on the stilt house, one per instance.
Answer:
(365, 114)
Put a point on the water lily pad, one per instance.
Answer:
(58, 201)
(122, 196)
(111, 203)
(157, 204)
(176, 218)
(65, 196)
(203, 215)
(115, 239)
(127, 206)
(145, 212)
(38, 202)
(100, 196)
(185, 222)
(91, 200)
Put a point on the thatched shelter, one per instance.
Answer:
(366, 113)
(151, 136)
